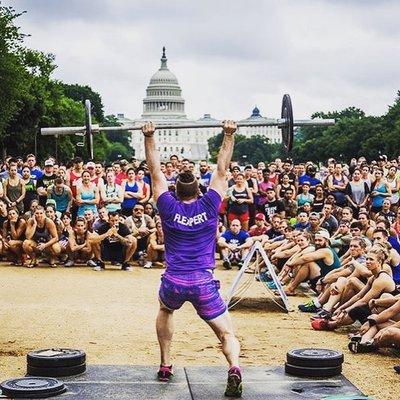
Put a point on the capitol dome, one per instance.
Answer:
(163, 95)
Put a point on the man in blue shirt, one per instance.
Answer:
(234, 244)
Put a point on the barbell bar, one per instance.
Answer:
(286, 123)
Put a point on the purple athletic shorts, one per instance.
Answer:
(199, 288)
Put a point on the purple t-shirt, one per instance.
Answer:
(189, 231)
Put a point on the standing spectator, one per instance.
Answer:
(112, 194)
(30, 187)
(281, 188)
(36, 172)
(393, 181)
(357, 192)
(143, 186)
(337, 183)
(262, 190)
(319, 199)
(132, 193)
(240, 198)
(380, 189)
(46, 181)
(205, 176)
(305, 196)
(273, 206)
(149, 210)
(14, 189)
(120, 175)
(87, 195)
(288, 170)
(366, 176)
(289, 204)
(99, 171)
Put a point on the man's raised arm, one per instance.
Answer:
(218, 179)
(158, 180)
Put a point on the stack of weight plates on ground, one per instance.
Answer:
(314, 362)
(56, 362)
(31, 388)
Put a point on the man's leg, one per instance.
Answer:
(130, 249)
(223, 328)
(165, 331)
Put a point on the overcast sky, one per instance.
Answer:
(227, 55)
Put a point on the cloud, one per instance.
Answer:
(228, 56)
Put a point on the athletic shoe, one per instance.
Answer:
(91, 264)
(126, 267)
(227, 264)
(148, 264)
(234, 384)
(101, 264)
(240, 264)
(309, 307)
(397, 368)
(324, 314)
(321, 325)
(271, 285)
(165, 373)
(69, 263)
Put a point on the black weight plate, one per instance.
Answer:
(314, 358)
(49, 358)
(56, 371)
(32, 387)
(312, 372)
(287, 130)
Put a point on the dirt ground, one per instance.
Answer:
(111, 316)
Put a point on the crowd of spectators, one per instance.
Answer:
(334, 226)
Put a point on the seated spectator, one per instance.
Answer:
(314, 265)
(386, 212)
(117, 243)
(13, 235)
(357, 308)
(61, 194)
(3, 212)
(258, 230)
(41, 236)
(302, 221)
(234, 244)
(150, 210)
(340, 240)
(328, 221)
(276, 227)
(80, 245)
(366, 224)
(101, 219)
(90, 218)
(141, 226)
(156, 247)
(51, 214)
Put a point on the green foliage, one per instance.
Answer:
(247, 150)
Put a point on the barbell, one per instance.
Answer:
(286, 123)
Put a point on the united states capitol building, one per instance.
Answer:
(164, 104)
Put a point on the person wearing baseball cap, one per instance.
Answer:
(313, 266)
(46, 181)
(258, 230)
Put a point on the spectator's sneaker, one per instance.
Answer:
(148, 264)
(101, 264)
(240, 264)
(271, 285)
(165, 373)
(227, 264)
(309, 307)
(321, 325)
(91, 264)
(69, 263)
(126, 267)
(234, 385)
(397, 368)
(324, 314)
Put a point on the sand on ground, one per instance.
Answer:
(111, 315)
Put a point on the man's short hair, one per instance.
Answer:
(383, 231)
(187, 186)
